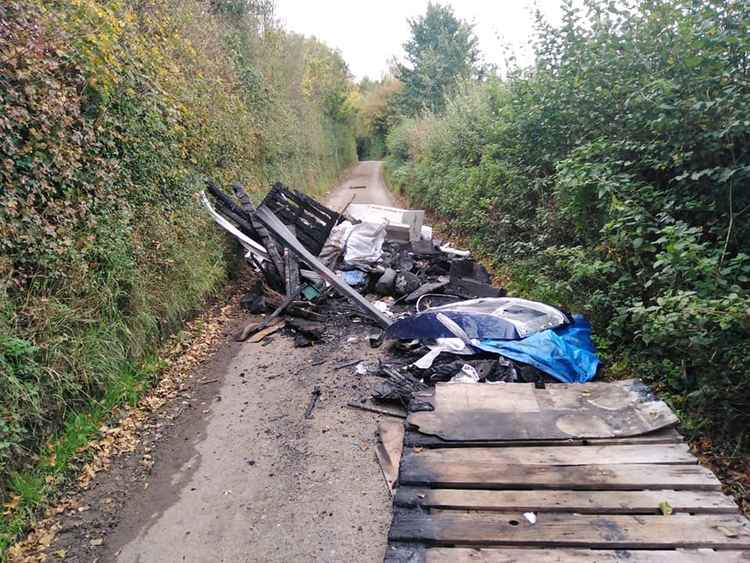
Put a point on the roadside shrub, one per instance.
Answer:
(612, 177)
(111, 115)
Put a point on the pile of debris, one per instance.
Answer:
(492, 340)
(435, 303)
(303, 250)
(283, 238)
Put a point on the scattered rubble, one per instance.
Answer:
(314, 396)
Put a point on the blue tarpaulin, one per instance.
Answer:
(566, 353)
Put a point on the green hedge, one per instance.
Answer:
(614, 178)
(111, 113)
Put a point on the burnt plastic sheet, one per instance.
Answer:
(566, 353)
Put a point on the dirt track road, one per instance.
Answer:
(368, 174)
(242, 475)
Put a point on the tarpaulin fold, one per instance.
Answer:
(566, 353)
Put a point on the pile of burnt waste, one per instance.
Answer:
(433, 305)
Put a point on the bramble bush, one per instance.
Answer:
(111, 114)
(613, 177)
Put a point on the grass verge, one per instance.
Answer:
(34, 488)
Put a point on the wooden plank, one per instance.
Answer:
(673, 454)
(291, 274)
(464, 555)
(249, 208)
(473, 475)
(460, 528)
(261, 334)
(369, 406)
(389, 449)
(414, 438)
(582, 502)
(559, 411)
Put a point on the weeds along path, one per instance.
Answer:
(241, 475)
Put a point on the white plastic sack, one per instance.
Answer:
(334, 246)
(364, 244)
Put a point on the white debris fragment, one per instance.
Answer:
(467, 375)
(382, 306)
(448, 249)
(450, 345)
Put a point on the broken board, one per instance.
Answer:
(520, 411)
(388, 451)
(261, 334)
(500, 499)
(414, 438)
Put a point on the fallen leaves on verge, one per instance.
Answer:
(11, 506)
(665, 508)
(124, 435)
(732, 470)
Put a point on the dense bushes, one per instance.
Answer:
(111, 112)
(614, 177)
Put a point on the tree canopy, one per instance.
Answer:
(442, 51)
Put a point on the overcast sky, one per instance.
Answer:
(369, 34)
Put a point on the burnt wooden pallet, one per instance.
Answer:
(632, 497)
(415, 439)
(311, 220)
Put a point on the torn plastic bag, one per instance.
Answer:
(497, 318)
(504, 372)
(364, 243)
(467, 375)
(449, 345)
(566, 353)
